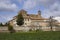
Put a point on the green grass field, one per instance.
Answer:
(31, 36)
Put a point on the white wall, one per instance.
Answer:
(4, 29)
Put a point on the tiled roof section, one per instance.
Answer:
(27, 17)
(33, 17)
(15, 17)
(39, 19)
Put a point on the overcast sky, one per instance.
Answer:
(10, 8)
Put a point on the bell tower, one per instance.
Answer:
(39, 13)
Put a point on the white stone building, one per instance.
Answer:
(31, 21)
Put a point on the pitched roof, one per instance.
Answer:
(31, 16)
(34, 17)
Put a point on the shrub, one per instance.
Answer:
(10, 28)
(37, 30)
(30, 30)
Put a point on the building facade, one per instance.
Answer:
(34, 22)
(31, 19)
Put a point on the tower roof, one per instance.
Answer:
(22, 11)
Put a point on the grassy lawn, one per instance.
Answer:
(31, 36)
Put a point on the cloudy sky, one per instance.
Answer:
(10, 8)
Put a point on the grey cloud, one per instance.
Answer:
(53, 10)
(52, 7)
(6, 5)
(29, 4)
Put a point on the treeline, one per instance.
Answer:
(1, 24)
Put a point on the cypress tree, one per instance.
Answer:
(20, 19)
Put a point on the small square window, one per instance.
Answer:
(25, 23)
(28, 19)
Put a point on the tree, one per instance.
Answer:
(52, 22)
(20, 19)
(10, 28)
(6, 24)
(1, 24)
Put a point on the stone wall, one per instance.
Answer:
(4, 29)
(26, 29)
(18, 29)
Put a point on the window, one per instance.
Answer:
(25, 23)
(28, 19)
(25, 19)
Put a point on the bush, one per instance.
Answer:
(30, 30)
(10, 28)
(1, 24)
(37, 30)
